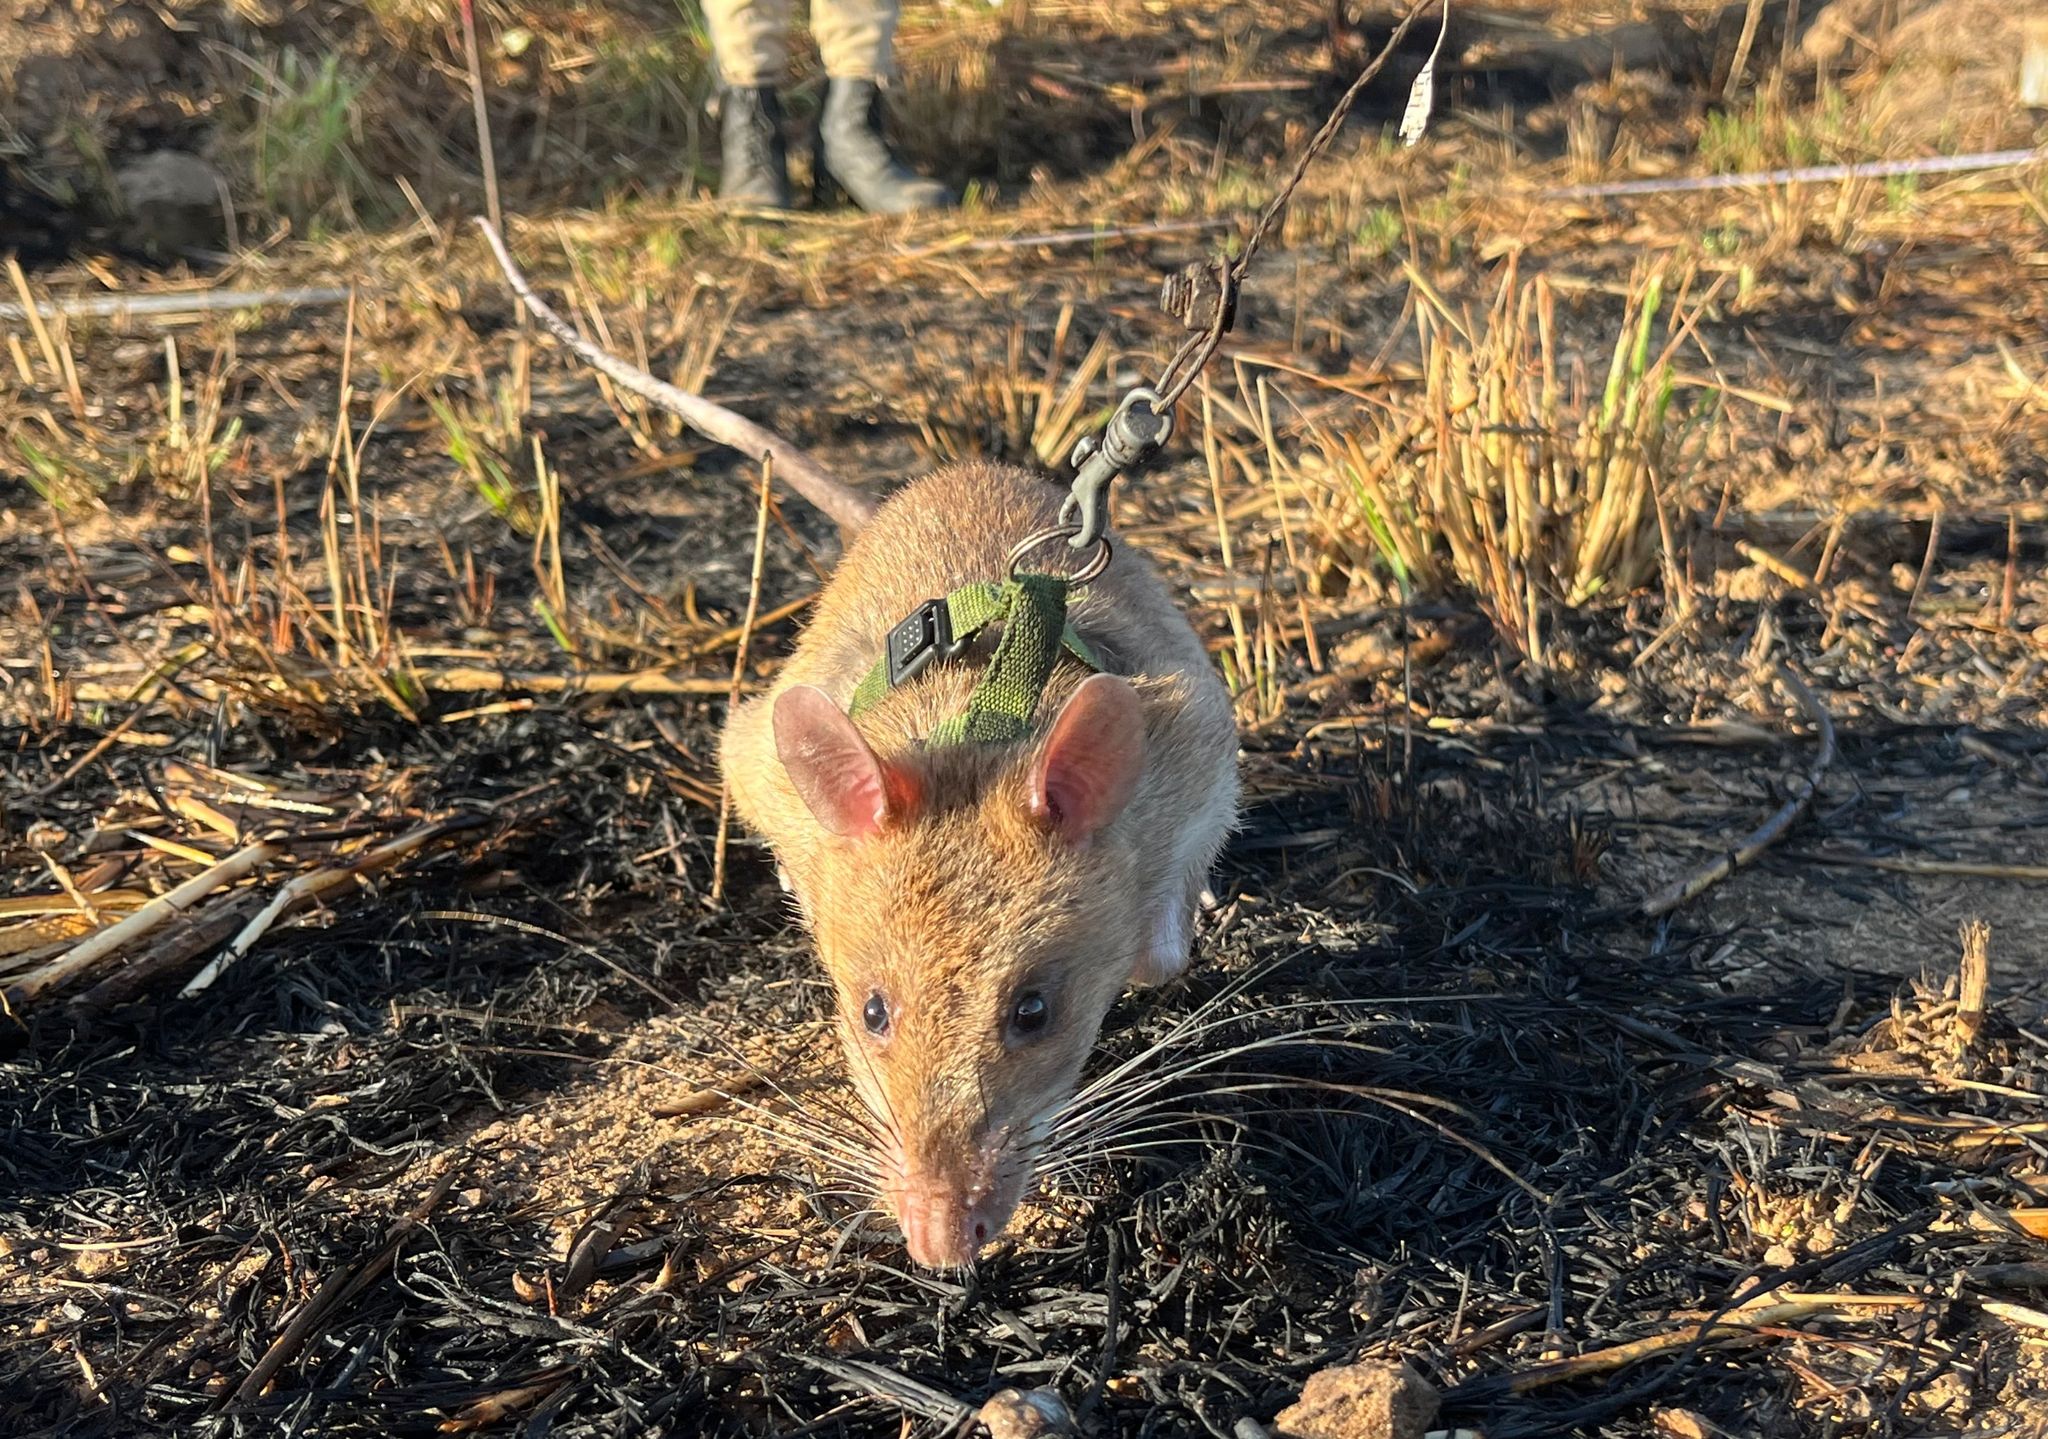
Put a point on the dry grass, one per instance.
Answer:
(1516, 472)
(71, 456)
(1016, 408)
(390, 527)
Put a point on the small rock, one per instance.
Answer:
(172, 203)
(1360, 1401)
(1026, 1414)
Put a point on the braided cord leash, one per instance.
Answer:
(1204, 298)
(1032, 606)
(1196, 354)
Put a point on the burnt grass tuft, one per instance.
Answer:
(1555, 1119)
(461, 1145)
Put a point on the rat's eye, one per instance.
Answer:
(1030, 1015)
(875, 1015)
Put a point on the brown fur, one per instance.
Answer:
(969, 899)
(972, 873)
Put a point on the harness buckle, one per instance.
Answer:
(923, 635)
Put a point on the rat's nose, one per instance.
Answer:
(942, 1227)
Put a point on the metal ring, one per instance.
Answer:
(1087, 572)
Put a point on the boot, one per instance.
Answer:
(755, 169)
(853, 155)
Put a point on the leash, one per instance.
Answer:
(1031, 605)
(1203, 297)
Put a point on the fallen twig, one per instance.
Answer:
(502, 1404)
(702, 1101)
(1758, 555)
(106, 742)
(158, 911)
(1744, 1326)
(1966, 868)
(470, 679)
(878, 1381)
(1803, 175)
(180, 942)
(184, 302)
(739, 677)
(1094, 234)
(728, 427)
(309, 887)
(1690, 887)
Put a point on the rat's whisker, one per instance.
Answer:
(1185, 1026)
(1204, 1021)
(831, 1165)
(1220, 1084)
(1402, 1102)
(1079, 1118)
(1109, 1125)
(891, 1131)
(783, 1127)
(834, 1107)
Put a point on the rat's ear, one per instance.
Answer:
(845, 785)
(1089, 764)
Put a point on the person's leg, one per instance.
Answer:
(854, 39)
(750, 43)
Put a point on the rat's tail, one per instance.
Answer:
(848, 508)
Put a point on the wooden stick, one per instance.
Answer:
(1757, 555)
(1926, 562)
(158, 911)
(180, 942)
(1740, 64)
(849, 509)
(469, 679)
(1973, 981)
(732, 634)
(106, 742)
(2012, 562)
(309, 887)
(486, 151)
(2018, 1314)
(171, 302)
(1692, 886)
(702, 1101)
(1743, 1326)
(1803, 175)
(1969, 868)
(1091, 235)
(33, 313)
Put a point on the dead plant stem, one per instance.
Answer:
(739, 674)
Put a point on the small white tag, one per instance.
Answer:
(1415, 119)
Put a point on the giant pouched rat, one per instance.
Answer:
(978, 906)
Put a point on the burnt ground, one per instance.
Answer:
(470, 1144)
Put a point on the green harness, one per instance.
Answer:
(1032, 609)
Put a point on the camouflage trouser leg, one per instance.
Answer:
(751, 38)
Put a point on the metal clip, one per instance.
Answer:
(1135, 433)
